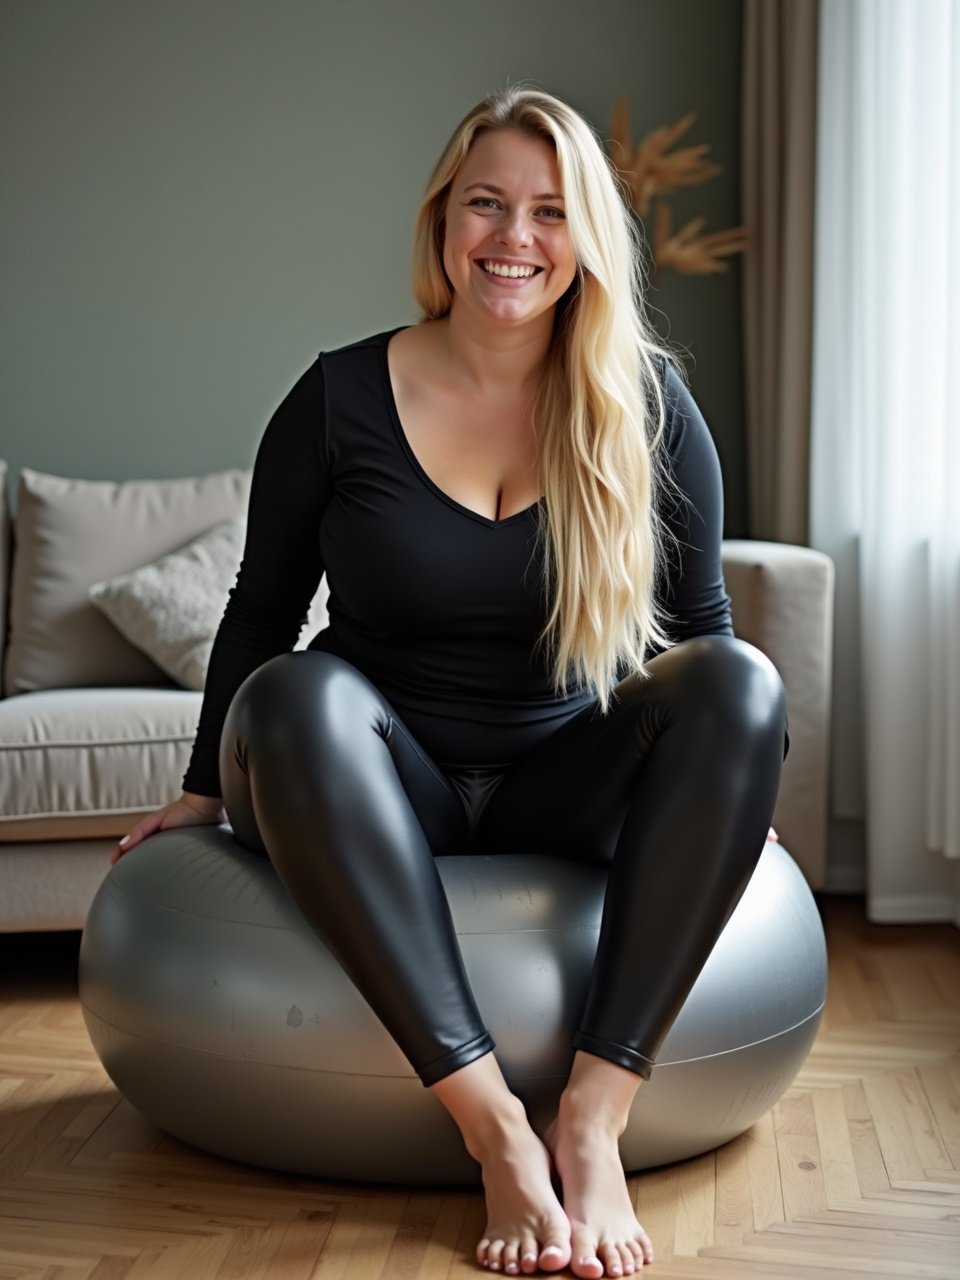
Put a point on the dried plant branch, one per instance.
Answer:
(650, 170)
(689, 252)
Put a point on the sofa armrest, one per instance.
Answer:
(782, 598)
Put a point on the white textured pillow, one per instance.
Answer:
(171, 609)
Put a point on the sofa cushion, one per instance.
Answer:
(73, 533)
(82, 763)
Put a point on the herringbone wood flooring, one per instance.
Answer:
(855, 1172)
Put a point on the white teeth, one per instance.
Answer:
(495, 269)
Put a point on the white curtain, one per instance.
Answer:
(885, 446)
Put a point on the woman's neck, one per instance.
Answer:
(495, 360)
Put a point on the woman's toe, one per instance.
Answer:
(495, 1255)
(509, 1259)
(628, 1262)
(528, 1255)
(585, 1260)
(609, 1255)
(554, 1254)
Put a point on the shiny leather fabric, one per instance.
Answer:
(674, 789)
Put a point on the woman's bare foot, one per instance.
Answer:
(607, 1238)
(527, 1228)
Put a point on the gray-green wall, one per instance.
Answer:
(199, 195)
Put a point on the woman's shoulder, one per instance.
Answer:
(372, 341)
(669, 371)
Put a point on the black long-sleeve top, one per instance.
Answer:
(438, 605)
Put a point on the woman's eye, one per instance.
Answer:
(552, 213)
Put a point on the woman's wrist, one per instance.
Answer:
(206, 806)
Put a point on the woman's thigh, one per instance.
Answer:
(569, 795)
(308, 731)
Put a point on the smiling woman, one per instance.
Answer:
(471, 421)
(518, 507)
(508, 254)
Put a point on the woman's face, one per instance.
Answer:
(505, 209)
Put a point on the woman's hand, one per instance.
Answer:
(772, 835)
(189, 811)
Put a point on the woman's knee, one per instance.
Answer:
(291, 724)
(306, 695)
(726, 677)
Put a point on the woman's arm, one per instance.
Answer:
(281, 566)
(695, 595)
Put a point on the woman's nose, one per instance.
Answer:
(514, 228)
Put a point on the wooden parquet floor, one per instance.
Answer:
(855, 1172)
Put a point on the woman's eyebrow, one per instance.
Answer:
(488, 186)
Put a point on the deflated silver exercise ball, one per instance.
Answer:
(221, 1016)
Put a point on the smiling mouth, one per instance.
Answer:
(501, 271)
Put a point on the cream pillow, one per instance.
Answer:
(171, 609)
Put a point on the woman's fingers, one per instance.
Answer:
(145, 827)
(179, 813)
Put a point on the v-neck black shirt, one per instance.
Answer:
(438, 605)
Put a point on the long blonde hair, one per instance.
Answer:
(600, 413)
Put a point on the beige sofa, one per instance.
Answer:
(93, 734)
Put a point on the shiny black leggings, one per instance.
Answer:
(674, 789)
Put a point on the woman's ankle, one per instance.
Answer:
(598, 1095)
(479, 1100)
(486, 1135)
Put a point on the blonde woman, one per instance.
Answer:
(518, 507)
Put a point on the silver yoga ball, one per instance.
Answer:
(220, 1015)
